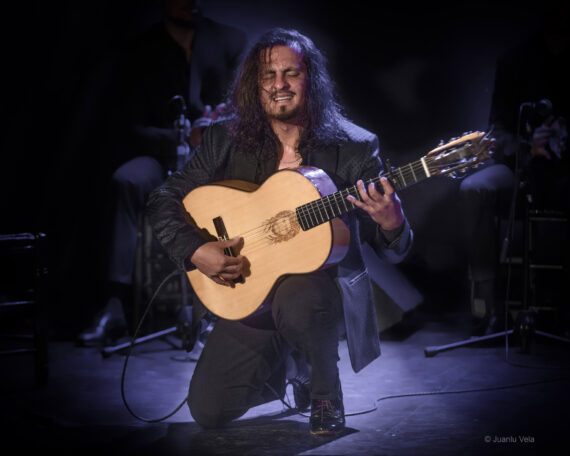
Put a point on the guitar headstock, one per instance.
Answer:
(460, 154)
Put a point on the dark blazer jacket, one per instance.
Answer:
(353, 158)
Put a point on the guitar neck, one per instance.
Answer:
(325, 209)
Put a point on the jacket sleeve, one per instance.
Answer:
(394, 245)
(165, 210)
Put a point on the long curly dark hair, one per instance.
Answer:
(249, 125)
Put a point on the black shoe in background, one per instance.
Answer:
(107, 328)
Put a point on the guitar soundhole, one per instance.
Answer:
(282, 227)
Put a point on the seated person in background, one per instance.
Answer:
(530, 137)
(174, 76)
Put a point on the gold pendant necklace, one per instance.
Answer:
(298, 159)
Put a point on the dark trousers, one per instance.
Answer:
(240, 360)
(132, 183)
(485, 195)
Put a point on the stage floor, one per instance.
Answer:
(491, 406)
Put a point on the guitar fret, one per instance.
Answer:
(308, 221)
(331, 200)
(333, 203)
(413, 174)
(337, 195)
(321, 207)
(402, 177)
(420, 170)
(304, 214)
(311, 211)
(343, 199)
(301, 219)
(316, 212)
(356, 194)
(423, 162)
(325, 208)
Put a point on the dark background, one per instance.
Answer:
(413, 74)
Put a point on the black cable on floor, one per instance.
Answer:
(474, 390)
(146, 420)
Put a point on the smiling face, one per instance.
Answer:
(282, 83)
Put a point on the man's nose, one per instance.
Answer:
(281, 82)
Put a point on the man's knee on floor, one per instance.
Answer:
(207, 414)
(211, 410)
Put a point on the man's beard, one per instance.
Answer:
(284, 114)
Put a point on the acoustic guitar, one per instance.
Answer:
(293, 223)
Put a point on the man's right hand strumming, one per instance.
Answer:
(211, 260)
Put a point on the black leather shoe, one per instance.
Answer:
(301, 392)
(327, 416)
(105, 330)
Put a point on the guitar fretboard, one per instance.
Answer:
(325, 209)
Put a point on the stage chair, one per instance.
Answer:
(545, 262)
(529, 309)
(23, 303)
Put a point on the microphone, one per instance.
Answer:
(176, 107)
(543, 107)
(177, 103)
(181, 124)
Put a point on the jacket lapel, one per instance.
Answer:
(325, 158)
(252, 168)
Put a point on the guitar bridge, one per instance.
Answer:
(223, 236)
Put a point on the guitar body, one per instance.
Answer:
(274, 243)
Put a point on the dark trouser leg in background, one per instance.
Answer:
(131, 184)
(485, 195)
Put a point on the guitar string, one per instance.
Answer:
(317, 212)
(262, 240)
(406, 173)
(324, 206)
